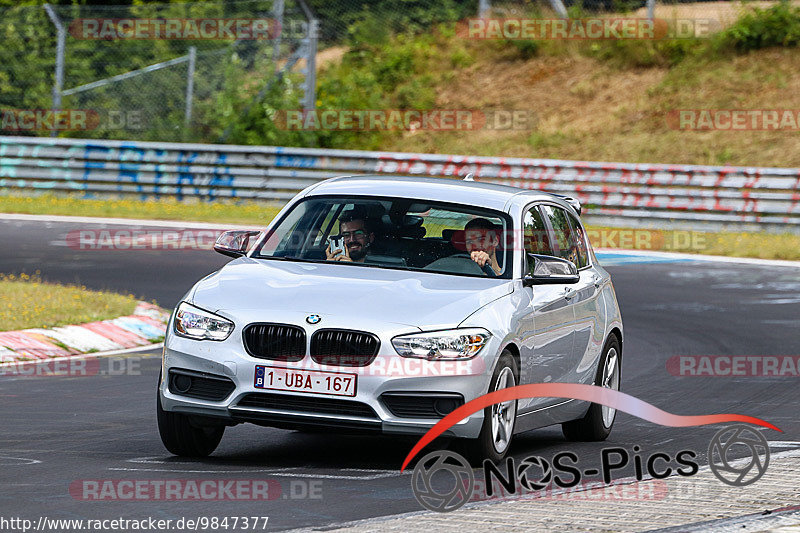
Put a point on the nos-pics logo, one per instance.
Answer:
(444, 481)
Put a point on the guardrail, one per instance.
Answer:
(639, 194)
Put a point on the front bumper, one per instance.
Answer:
(371, 409)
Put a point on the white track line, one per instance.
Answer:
(26, 461)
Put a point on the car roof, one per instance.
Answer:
(475, 193)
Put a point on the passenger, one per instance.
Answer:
(481, 239)
(357, 231)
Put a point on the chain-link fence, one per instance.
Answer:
(193, 71)
(119, 72)
(356, 21)
(151, 72)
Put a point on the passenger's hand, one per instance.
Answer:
(480, 257)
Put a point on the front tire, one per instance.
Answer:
(497, 431)
(599, 420)
(183, 438)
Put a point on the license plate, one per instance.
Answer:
(314, 381)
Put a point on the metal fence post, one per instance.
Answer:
(277, 14)
(311, 67)
(310, 45)
(651, 9)
(190, 86)
(61, 40)
(484, 6)
(558, 7)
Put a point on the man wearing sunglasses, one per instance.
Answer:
(355, 228)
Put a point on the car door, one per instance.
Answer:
(589, 306)
(548, 341)
(570, 241)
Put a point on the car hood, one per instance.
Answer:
(350, 293)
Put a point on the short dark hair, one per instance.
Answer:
(358, 214)
(480, 223)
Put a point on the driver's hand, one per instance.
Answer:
(331, 257)
(480, 257)
(338, 255)
(345, 256)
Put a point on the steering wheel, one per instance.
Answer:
(487, 268)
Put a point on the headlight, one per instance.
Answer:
(448, 344)
(198, 324)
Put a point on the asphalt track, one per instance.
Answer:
(57, 430)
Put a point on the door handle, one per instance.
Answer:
(568, 293)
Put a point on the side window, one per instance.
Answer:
(566, 240)
(537, 241)
(291, 239)
(580, 241)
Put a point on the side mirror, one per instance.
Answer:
(234, 243)
(546, 269)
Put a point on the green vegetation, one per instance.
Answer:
(595, 100)
(601, 100)
(782, 246)
(367, 21)
(236, 94)
(756, 29)
(778, 25)
(29, 49)
(28, 302)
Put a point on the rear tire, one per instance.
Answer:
(599, 420)
(497, 431)
(183, 438)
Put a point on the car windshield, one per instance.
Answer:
(408, 234)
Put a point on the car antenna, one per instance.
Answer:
(469, 177)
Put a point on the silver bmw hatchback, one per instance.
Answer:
(382, 304)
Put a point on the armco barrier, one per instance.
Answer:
(665, 195)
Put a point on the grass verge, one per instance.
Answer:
(784, 246)
(29, 302)
(229, 211)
